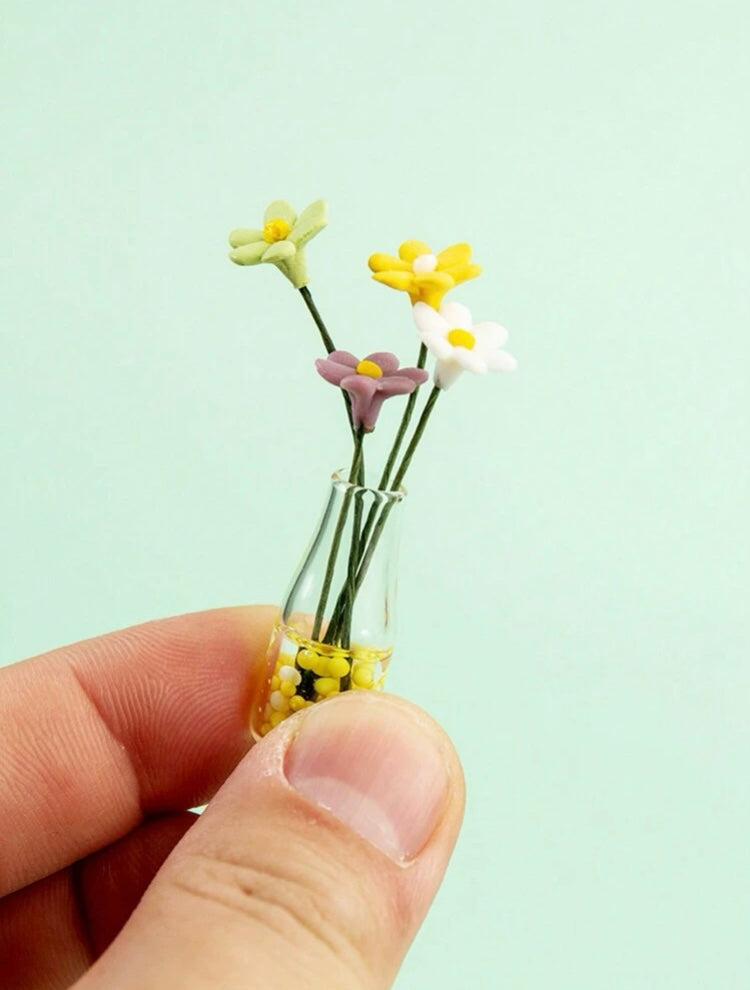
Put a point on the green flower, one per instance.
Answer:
(282, 239)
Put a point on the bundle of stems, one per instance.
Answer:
(365, 532)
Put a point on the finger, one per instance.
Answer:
(312, 867)
(94, 736)
(51, 931)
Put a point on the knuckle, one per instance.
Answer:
(310, 912)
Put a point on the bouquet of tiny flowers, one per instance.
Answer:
(335, 631)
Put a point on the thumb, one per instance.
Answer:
(313, 866)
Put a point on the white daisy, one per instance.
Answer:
(458, 344)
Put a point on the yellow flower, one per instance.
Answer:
(424, 275)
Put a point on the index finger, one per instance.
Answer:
(97, 735)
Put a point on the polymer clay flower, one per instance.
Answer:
(424, 275)
(459, 344)
(369, 382)
(282, 239)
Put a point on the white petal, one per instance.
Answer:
(470, 360)
(446, 372)
(501, 361)
(456, 315)
(428, 320)
(490, 334)
(437, 345)
(424, 263)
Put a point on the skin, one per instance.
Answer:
(107, 881)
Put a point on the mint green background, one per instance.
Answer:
(575, 580)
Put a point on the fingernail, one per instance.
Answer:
(376, 767)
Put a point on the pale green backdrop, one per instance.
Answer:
(575, 581)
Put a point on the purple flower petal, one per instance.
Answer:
(372, 412)
(417, 375)
(395, 385)
(386, 361)
(344, 357)
(368, 394)
(362, 389)
(331, 371)
(336, 366)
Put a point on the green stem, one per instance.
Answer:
(414, 442)
(403, 468)
(327, 343)
(344, 634)
(403, 426)
(325, 335)
(338, 532)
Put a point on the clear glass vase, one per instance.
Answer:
(335, 632)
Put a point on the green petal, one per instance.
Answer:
(279, 251)
(309, 223)
(245, 235)
(249, 254)
(296, 269)
(280, 210)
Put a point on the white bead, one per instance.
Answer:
(288, 673)
(278, 702)
(425, 263)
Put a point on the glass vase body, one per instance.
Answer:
(336, 626)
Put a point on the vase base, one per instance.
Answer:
(303, 672)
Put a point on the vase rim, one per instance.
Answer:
(339, 479)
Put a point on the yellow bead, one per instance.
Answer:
(276, 717)
(362, 676)
(338, 667)
(306, 659)
(326, 685)
(321, 666)
(265, 728)
(296, 703)
(275, 682)
(287, 688)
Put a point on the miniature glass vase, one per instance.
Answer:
(336, 628)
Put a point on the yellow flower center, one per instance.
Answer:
(276, 230)
(370, 369)
(461, 338)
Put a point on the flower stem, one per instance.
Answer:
(419, 430)
(403, 467)
(336, 541)
(327, 342)
(344, 633)
(403, 426)
(325, 335)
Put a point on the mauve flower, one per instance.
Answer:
(369, 382)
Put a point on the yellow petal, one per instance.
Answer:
(433, 297)
(386, 262)
(461, 273)
(456, 254)
(434, 280)
(396, 280)
(410, 250)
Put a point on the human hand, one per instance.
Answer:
(313, 866)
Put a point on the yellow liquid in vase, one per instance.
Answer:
(302, 672)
